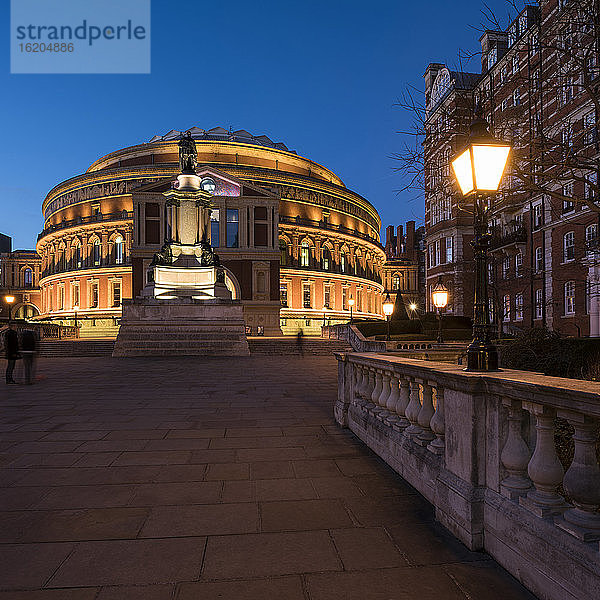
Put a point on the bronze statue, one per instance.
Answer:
(187, 154)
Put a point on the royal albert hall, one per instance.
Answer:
(296, 243)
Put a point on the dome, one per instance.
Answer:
(225, 135)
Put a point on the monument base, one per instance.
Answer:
(181, 327)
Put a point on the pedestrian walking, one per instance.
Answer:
(11, 350)
(28, 351)
(300, 341)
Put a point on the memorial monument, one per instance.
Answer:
(186, 308)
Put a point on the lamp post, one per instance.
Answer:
(439, 297)
(9, 300)
(351, 304)
(413, 308)
(478, 169)
(388, 309)
(75, 309)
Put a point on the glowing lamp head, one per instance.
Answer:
(412, 306)
(75, 307)
(388, 305)
(351, 301)
(9, 299)
(479, 167)
(439, 294)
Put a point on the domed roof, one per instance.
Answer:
(225, 135)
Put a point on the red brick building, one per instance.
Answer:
(536, 88)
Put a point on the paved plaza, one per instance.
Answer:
(156, 479)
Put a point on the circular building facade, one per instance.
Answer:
(296, 243)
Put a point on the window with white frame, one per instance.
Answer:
(449, 249)
(519, 307)
(116, 294)
(590, 133)
(118, 250)
(75, 293)
(505, 266)
(304, 254)
(591, 236)
(539, 301)
(519, 264)
(515, 64)
(432, 256)
(327, 296)
(93, 294)
(61, 296)
(568, 204)
(517, 97)
(567, 139)
(506, 307)
(283, 294)
(438, 255)
(504, 104)
(306, 295)
(569, 246)
(590, 187)
(570, 298)
(539, 259)
(538, 220)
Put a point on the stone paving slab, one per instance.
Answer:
(212, 478)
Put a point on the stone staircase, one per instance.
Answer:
(268, 346)
(82, 347)
(288, 345)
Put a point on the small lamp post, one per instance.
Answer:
(479, 168)
(75, 309)
(439, 297)
(388, 309)
(351, 304)
(9, 300)
(413, 309)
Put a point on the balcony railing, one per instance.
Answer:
(482, 449)
(329, 226)
(99, 218)
(70, 266)
(507, 236)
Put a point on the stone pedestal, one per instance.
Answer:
(181, 327)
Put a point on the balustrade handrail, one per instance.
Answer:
(116, 216)
(481, 447)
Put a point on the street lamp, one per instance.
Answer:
(479, 168)
(351, 304)
(388, 309)
(75, 309)
(439, 297)
(9, 300)
(412, 307)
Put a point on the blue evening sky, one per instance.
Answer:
(320, 76)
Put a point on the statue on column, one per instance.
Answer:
(187, 154)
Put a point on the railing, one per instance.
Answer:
(351, 334)
(481, 448)
(59, 332)
(99, 218)
(500, 238)
(70, 267)
(314, 265)
(330, 226)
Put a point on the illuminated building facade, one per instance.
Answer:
(295, 242)
(20, 272)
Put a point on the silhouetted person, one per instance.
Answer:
(300, 341)
(11, 349)
(28, 349)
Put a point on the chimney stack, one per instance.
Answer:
(410, 239)
(389, 240)
(399, 240)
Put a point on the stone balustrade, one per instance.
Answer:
(481, 448)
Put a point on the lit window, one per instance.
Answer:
(519, 265)
(519, 307)
(214, 228)
(304, 255)
(75, 293)
(119, 250)
(591, 237)
(306, 296)
(570, 298)
(96, 253)
(283, 294)
(28, 277)
(116, 294)
(506, 307)
(539, 303)
(326, 259)
(449, 250)
(327, 296)
(94, 294)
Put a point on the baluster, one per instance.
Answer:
(515, 454)
(360, 384)
(383, 397)
(413, 409)
(438, 425)
(370, 385)
(392, 401)
(582, 483)
(402, 423)
(544, 469)
(425, 415)
(374, 407)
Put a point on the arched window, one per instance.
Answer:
(570, 298)
(283, 253)
(343, 262)
(304, 255)
(118, 250)
(326, 264)
(28, 278)
(77, 256)
(395, 282)
(96, 253)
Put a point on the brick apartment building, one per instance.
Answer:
(536, 88)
